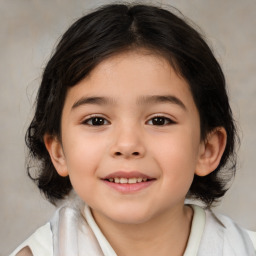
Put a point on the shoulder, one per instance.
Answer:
(234, 230)
(233, 237)
(252, 236)
(40, 242)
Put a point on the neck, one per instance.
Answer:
(165, 235)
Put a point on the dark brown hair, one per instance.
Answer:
(118, 28)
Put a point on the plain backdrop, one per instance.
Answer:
(29, 30)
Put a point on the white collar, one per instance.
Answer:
(103, 242)
(210, 235)
(196, 232)
(193, 244)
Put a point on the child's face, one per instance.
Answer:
(133, 117)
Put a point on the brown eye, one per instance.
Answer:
(96, 121)
(160, 121)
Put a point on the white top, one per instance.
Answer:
(209, 235)
(196, 232)
(40, 242)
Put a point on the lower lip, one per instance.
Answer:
(129, 188)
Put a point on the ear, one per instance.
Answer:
(211, 151)
(55, 150)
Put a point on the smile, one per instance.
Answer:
(127, 180)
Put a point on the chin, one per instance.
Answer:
(129, 216)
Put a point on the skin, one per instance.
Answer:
(25, 252)
(153, 219)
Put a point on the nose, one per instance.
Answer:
(128, 143)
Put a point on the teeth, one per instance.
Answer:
(123, 180)
(132, 180)
(129, 181)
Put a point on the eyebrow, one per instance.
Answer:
(143, 100)
(161, 99)
(94, 101)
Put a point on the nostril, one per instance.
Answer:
(134, 153)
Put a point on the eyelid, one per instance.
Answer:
(89, 117)
(171, 119)
(165, 116)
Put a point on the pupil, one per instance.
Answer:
(158, 121)
(97, 121)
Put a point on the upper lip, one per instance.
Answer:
(126, 174)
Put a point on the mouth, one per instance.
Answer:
(127, 182)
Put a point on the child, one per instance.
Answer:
(132, 118)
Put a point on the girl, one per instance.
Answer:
(132, 118)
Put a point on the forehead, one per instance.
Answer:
(131, 75)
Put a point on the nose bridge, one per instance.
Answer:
(128, 140)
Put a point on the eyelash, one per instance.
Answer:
(103, 121)
(167, 121)
(86, 121)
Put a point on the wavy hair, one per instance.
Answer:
(117, 28)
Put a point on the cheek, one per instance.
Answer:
(82, 160)
(83, 155)
(177, 158)
(178, 149)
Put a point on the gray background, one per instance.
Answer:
(29, 30)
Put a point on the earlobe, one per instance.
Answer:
(211, 151)
(55, 150)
